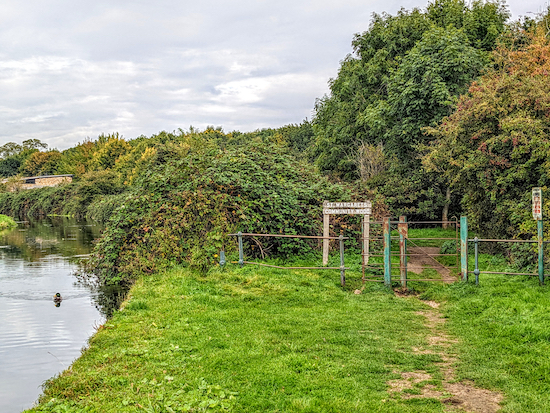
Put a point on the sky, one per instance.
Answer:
(71, 70)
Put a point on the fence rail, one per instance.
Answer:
(241, 261)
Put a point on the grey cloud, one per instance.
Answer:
(69, 69)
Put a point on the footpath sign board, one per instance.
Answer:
(537, 204)
(356, 208)
(341, 208)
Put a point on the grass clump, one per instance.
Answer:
(248, 340)
(6, 223)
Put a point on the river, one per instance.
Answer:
(39, 338)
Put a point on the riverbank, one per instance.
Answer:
(261, 339)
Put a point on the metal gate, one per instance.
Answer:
(399, 239)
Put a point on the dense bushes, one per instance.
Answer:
(193, 195)
(70, 199)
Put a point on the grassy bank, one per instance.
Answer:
(268, 340)
(248, 340)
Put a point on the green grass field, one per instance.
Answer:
(256, 339)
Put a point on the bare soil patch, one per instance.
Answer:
(421, 258)
(457, 396)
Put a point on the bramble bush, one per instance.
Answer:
(192, 195)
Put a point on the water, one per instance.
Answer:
(37, 339)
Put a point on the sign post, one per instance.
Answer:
(537, 216)
(337, 208)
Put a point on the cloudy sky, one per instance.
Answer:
(73, 69)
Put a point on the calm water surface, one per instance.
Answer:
(37, 339)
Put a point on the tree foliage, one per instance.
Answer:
(495, 147)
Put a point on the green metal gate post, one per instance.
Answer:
(241, 252)
(464, 247)
(540, 234)
(387, 252)
(403, 235)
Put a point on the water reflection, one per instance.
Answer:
(40, 337)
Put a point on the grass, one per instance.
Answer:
(256, 339)
(6, 222)
(248, 340)
(504, 330)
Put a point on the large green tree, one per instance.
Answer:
(496, 146)
(404, 74)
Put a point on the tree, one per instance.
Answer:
(378, 93)
(495, 147)
(41, 163)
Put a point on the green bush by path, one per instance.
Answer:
(182, 208)
(248, 340)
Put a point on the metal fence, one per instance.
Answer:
(381, 244)
(341, 240)
(464, 240)
(378, 244)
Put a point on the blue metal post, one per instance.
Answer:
(476, 269)
(222, 258)
(464, 247)
(387, 252)
(241, 254)
(540, 237)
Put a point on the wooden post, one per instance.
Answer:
(403, 235)
(342, 265)
(326, 233)
(366, 239)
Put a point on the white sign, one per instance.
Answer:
(537, 204)
(365, 211)
(363, 205)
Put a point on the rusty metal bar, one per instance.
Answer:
(504, 240)
(435, 255)
(431, 238)
(293, 268)
(427, 279)
(432, 222)
(286, 236)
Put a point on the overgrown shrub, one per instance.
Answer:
(184, 205)
(68, 199)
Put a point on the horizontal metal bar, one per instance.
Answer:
(506, 240)
(294, 268)
(432, 222)
(427, 279)
(433, 255)
(505, 273)
(286, 236)
(450, 239)
(374, 281)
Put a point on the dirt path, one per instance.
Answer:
(458, 396)
(421, 258)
